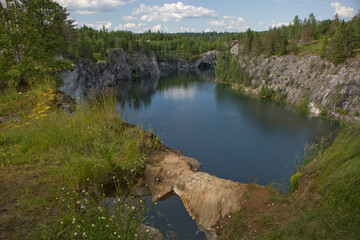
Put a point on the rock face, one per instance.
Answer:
(120, 67)
(323, 85)
(206, 60)
(207, 198)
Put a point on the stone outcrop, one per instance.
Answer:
(324, 86)
(207, 198)
(206, 60)
(120, 67)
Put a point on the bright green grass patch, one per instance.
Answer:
(313, 49)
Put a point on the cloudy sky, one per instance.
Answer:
(202, 15)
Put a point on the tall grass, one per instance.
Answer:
(337, 214)
(54, 149)
(92, 142)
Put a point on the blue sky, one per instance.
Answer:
(202, 15)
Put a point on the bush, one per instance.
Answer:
(304, 104)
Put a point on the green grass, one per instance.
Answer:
(332, 210)
(313, 49)
(49, 150)
(337, 214)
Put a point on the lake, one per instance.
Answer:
(234, 136)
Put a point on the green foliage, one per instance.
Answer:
(82, 143)
(88, 217)
(233, 74)
(337, 214)
(304, 105)
(266, 92)
(235, 230)
(84, 150)
(294, 180)
(34, 35)
(342, 111)
(279, 96)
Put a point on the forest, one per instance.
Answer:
(38, 40)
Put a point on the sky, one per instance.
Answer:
(201, 15)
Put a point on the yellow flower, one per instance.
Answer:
(47, 108)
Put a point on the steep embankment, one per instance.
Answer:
(324, 87)
(120, 68)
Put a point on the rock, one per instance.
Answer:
(206, 60)
(120, 67)
(313, 109)
(318, 80)
(207, 198)
(151, 233)
(236, 50)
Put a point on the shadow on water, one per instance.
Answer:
(177, 225)
(234, 136)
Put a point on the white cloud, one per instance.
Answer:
(99, 25)
(91, 6)
(156, 28)
(219, 23)
(261, 23)
(129, 25)
(187, 29)
(342, 11)
(229, 17)
(278, 24)
(140, 27)
(129, 18)
(172, 11)
(236, 25)
(179, 94)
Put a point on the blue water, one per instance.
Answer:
(234, 136)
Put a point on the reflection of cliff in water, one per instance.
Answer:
(184, 78)
(270, 116)
(137, 93)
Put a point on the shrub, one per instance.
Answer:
(304, 104)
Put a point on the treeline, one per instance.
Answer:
(229, 70)
(337, 39)
(93, 44)
(38, 39)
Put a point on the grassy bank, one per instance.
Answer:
(55, 162)
(327, 202)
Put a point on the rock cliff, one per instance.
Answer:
(206, 60)
(120, 67)
(326, 88)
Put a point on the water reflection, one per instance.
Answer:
(138, 93)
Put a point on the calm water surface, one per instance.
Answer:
(234, 136)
